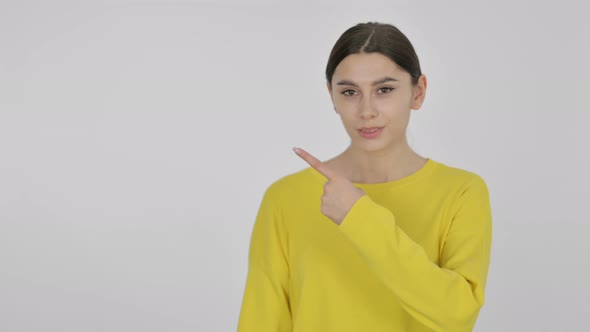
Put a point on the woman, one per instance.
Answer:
(377, 238)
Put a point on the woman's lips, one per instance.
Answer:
(373, 134)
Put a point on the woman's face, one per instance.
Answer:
(370, 90)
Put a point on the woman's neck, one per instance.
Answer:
(362, 166)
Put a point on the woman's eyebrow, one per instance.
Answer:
(379, 81)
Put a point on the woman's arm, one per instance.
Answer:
(265, 304)
(446, 297)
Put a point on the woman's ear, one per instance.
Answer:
(331, 95)
(419, 92)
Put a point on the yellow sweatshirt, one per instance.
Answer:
(411, 255)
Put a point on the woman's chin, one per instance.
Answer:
(370, 146)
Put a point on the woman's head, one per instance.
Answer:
(374, 79)
(375, 37)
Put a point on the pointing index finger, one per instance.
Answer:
(315, 163)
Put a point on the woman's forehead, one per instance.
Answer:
(368, 68)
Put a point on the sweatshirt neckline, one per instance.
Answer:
(426, 169)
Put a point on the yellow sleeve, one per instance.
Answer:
(265, 303)
(443, 298)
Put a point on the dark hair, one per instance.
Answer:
(375, 37)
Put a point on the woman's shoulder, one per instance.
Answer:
(299, 178)
(298, 181)
(457, 175)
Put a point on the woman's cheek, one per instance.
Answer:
(344, 109)
(343, 103)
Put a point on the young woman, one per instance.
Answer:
(377, 238)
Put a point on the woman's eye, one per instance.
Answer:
(351, 92)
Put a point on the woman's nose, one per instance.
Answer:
(368, 111)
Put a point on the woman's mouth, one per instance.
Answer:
(370, 132)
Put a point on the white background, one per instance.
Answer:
(137, 139)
